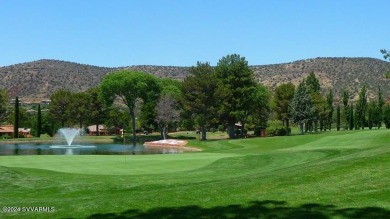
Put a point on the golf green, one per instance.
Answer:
(327, 175)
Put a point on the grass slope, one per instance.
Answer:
(329, 175)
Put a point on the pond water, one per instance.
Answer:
(101, 149)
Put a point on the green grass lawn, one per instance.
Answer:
(329, 175)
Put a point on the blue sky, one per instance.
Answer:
(180, 33)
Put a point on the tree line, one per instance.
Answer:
(225, 97)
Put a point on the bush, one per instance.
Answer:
(4, 137)
(270, 132)
(281, 132)
(277, 132)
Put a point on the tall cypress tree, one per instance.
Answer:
(338, 116)
(351, 119)
(361, 108)
(39, 121)
(329, 101)
(381, 103)
(16, 118)
(346, 109)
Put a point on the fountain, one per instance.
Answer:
(69, 134)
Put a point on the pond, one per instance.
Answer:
(99, 149)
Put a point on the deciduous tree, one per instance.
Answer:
(96, 112)
(78, 108)
(4, 106)
(167, 113)
(284, 93)
(60, 104)
(260, 110)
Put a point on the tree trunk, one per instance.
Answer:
(203, 128)
(164, 132)
(231, 130)
(97, 130)
(286, 123)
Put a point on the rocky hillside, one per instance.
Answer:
(37, 80)
(333, 73)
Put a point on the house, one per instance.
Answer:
(92, 130)
(26, 132)
(7, 130)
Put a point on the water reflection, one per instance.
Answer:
(45, 149)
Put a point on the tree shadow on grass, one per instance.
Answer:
(257, 209)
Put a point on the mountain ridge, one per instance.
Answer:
(38, 79)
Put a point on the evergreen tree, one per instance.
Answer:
(346, 108)
(200, 98)
(319, 103)
(302, 108)
(351, 117)
(16, 118)
(312, 83)
(39, 122)
(386, 115)
(361, 108)
(338, 119)
(329, 101)
(237, 83)
(371, 107)
(381, 103)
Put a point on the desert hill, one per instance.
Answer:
(37, 80)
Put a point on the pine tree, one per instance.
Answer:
(236, 83)
(302, 109)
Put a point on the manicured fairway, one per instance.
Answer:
(328, 175)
